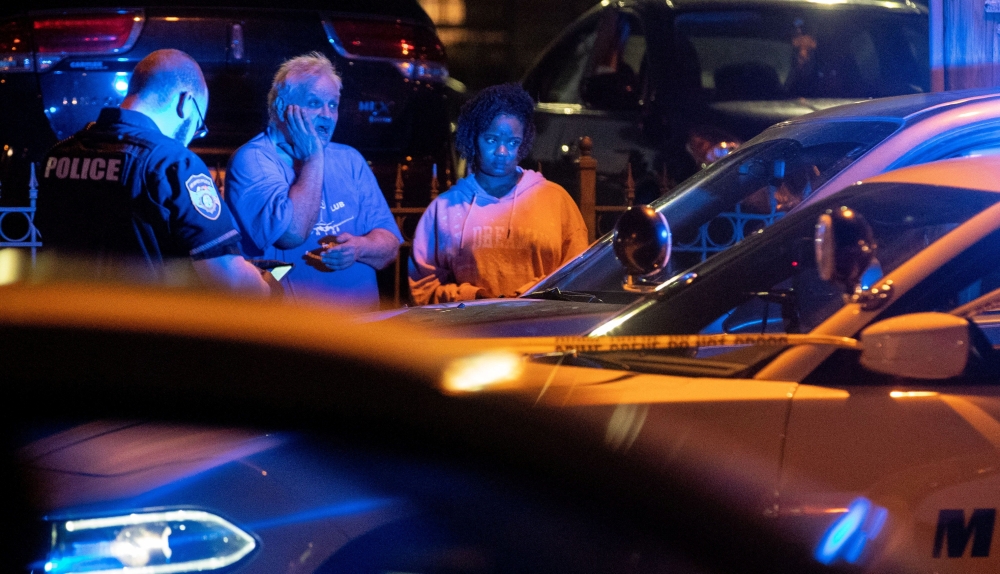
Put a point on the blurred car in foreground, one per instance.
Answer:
(789, 166)
(864, 432)
(668, 86)
(849, 347)
(168, 431)
(62, 61)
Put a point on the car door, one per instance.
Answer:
(592, 83)
(927, 450)
(723, 433)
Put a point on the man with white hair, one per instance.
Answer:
(127, 188)
(300, 198)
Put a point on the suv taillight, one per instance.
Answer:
(48, 38)
(415, 50)
(86, 33)
(15, 47)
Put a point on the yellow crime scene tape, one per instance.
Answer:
(542, 345)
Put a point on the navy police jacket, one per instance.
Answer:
(120, 188)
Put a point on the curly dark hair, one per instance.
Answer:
(478, 113)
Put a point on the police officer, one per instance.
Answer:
(126, 186)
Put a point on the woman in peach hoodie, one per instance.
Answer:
(500, 228)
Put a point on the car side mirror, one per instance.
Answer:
(927, 346)
(642, 244)
(845, 247)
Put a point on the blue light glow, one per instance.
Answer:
(871, 275)
(348, 508)
(848, 536)
(121, 82)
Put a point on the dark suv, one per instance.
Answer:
(668, 86)
(59, 65)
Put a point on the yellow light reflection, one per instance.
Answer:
(10, 266)
(613, 324)
(475, 373)
(172, 19)
(910, 394)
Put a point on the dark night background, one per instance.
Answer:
(493, 41)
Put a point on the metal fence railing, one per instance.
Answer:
(17, 224)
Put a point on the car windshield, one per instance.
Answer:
(770, 284)
(731, 199)
(805, 53)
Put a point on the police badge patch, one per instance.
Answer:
(203, 196)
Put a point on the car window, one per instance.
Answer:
(599, 66)
(767, 55)
(770, 284)
(557, 79)
(978, 139)
(733, 199)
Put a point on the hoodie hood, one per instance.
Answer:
(468, 188)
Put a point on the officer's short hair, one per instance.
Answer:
(162, 73)
(312, 64)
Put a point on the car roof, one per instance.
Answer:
(979, 173)
(387, 8)
(909, 108)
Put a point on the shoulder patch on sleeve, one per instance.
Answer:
(204, 197)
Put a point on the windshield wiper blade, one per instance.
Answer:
(556, 294)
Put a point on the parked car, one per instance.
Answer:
(787, 167)
(169, 431)
(846, 354)
(667, 87)
(61, 62)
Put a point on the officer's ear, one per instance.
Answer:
(279, 106)
(181, 100)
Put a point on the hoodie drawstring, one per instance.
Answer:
(465, 222)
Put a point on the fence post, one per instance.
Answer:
(398, 197)
(588, 187)
(629, 186)
(665, 183)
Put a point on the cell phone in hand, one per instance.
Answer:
(277, 268)
(280, 271)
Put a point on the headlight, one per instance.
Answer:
(149, 542)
